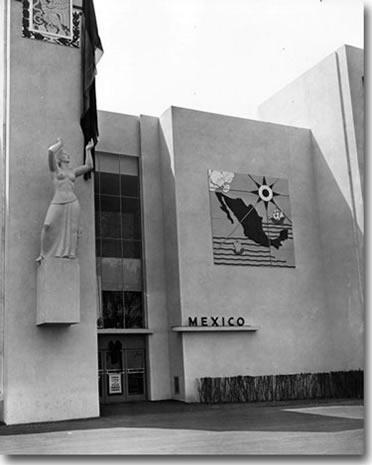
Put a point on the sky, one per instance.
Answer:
(220, 56)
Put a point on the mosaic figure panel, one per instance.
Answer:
(54, 21)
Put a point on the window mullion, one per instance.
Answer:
(122, 246)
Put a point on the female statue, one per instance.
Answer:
(59, 236)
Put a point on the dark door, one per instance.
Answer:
(121, 369)
(135, 373)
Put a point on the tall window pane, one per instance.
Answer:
(118, 242)
(112, 309)
(110, 216)
(111, 248)
(133, 309)
(96, 182)
(131, 222)
(110, 184)
(131, 249)
(129, 186)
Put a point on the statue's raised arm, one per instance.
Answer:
(53, 151)
(88, 166)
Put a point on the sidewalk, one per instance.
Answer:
(324, 427)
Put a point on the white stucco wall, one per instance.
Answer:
(155, 283)
(3, 183)
(328, 100)
(171, 251)
(50, 373)
(288, 305)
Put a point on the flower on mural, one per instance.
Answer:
(277, 217)
(220, 179)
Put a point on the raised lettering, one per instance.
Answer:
(231, 318)
(204, 321)
(193, 321)
(240, 321)
(214, 321)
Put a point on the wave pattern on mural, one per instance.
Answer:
(251, 220)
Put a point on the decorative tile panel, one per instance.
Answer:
(53, 21)
(251, 220)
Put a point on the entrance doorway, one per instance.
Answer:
(121, 368)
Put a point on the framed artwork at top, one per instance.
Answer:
(53, 21)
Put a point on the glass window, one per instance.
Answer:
(110, 226)
(107, 162)
(131, 249)
(135, 359)
(98, 248)
(112, 309)
(114, 357)
(112, 274)
(100, 372)
(133, 309)
(118, 241)
(98, 223)
(136, 371)
(131, 218)
(96, 202)
(109, 218)
(96, 182)
(129, 186)
(132, 274)
(109, 203)
(136, 384)
(111, 248)
(109, 184)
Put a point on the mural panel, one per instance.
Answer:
(54, 21)
(251, 220)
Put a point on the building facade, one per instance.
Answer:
(214, 250)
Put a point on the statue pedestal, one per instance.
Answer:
(58, 292)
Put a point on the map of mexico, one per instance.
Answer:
(251, 220)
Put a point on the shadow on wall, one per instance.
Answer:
(171, 259)
(342, 248)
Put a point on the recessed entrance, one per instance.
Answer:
(121, 368)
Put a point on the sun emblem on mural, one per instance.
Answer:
(251, 222)
(267, 194)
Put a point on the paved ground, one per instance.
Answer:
(174, 428)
